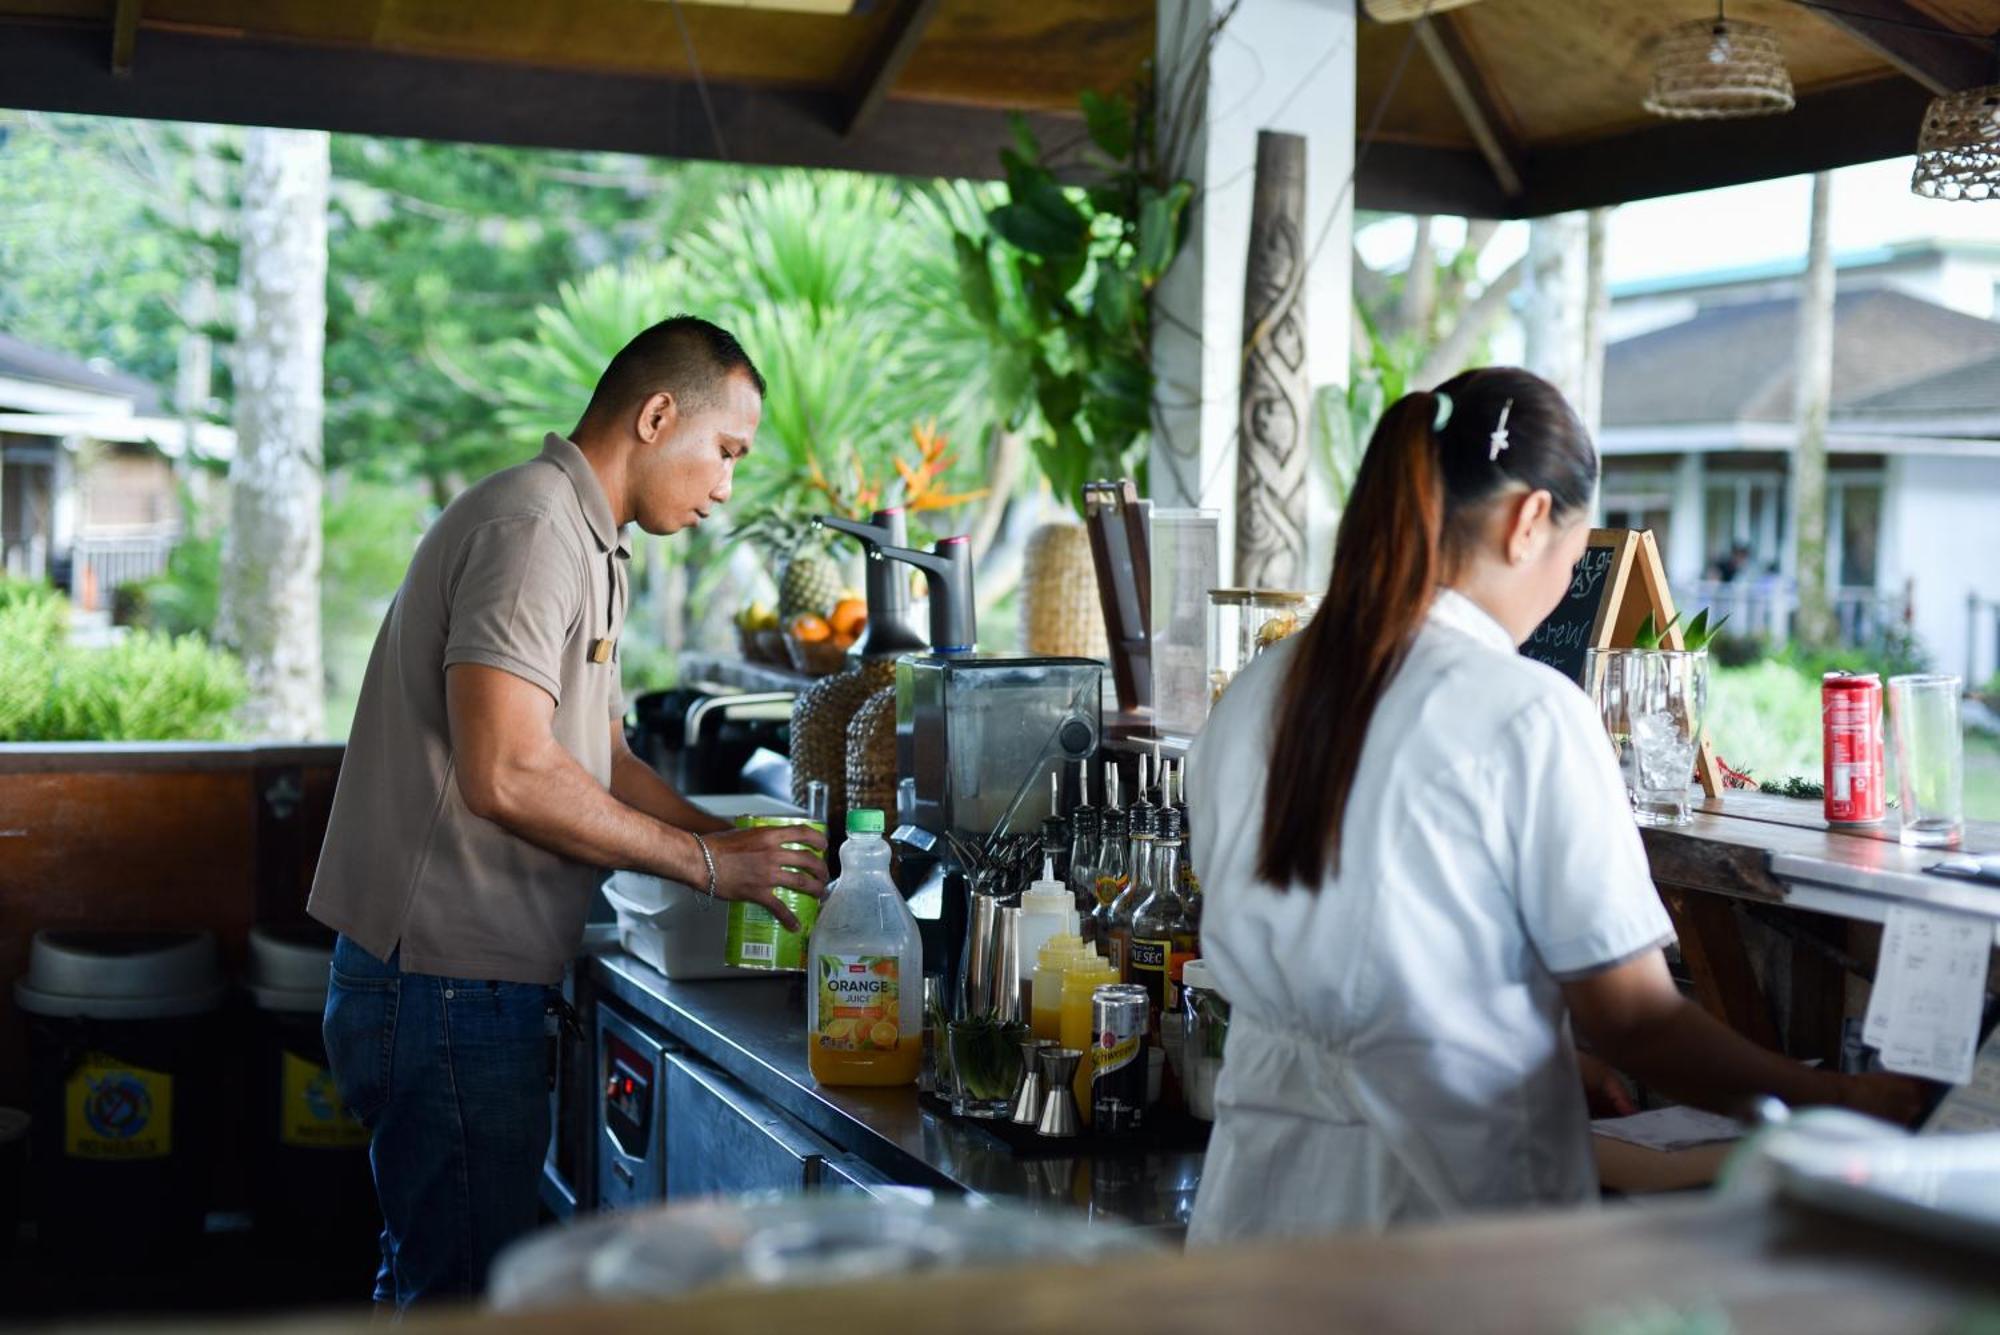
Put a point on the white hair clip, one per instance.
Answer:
(1498, 440)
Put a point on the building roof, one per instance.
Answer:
(1791, 266)
(1734, 363)
(1973, 388)
(22, 360)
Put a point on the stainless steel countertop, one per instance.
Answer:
(754, 1029)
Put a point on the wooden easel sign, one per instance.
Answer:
(1619, 581)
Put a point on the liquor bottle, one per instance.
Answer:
(1190, 884)
(1164, 936)
(1139, 816)
(1083, 824)
(1145, 837)
(1114, 872)
(1055, 835)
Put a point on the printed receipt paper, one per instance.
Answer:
(1923, 1016)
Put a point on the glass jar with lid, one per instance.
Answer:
(1242, 623)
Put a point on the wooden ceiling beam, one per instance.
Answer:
(124, 36)
(1453, 60)
(904, 30)
(1856, 123)
(1904, 36)
(195, 76)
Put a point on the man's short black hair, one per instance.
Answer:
(685, 356)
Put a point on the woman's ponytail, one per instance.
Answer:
(1386, 568)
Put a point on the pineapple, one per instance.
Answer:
(810, 583)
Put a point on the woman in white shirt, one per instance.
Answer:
(1419, 866)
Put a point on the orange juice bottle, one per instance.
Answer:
(865, 977)
(1079, 983)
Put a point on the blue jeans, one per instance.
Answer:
(450, 1076)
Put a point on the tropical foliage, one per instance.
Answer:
(145, 686)
(832, 284)
(1061, 279)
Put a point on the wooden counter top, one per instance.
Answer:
(1764, 1268)
(1780, 850)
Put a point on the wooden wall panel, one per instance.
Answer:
(149, 845)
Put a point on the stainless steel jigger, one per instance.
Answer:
(1059, 1115)
(1028, 1095)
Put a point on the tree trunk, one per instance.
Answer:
(1417, 312)
(1449, 356)
(1006, 458)
(1555, 285)
(1596, 314)
(1812, 381)
(271, 553)
(194, 362)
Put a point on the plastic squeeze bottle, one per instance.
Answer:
(1057, 957)
(1047, 910)
(865, 975)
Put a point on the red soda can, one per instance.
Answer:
(1851, 724)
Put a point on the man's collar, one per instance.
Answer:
(561, 452)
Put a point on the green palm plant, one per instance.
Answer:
(841, 289)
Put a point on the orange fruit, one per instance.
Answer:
(810, 629)
(849, 615)
(883, 1034)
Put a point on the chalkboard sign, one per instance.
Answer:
(1618, 583)
(1588, 613)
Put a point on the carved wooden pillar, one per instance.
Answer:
(1275, 391)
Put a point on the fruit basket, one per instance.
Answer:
(815, 658)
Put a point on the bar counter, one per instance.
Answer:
(753, 1030)
(1745, 1266)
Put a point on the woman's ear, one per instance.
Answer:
(1528, 531)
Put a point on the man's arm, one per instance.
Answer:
(511, 770)
(639, 785)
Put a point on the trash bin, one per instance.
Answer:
(313, 1194)
(14, 1123)
(125, 1044)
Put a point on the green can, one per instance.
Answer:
(755, 939)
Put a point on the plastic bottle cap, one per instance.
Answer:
(864, 820)
(1047, 897)
(1197, 973)
(1056, 948)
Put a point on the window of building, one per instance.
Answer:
(1853, 529)
(1744, 523)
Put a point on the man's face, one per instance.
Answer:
(685, 461)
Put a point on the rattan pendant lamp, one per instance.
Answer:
(1718, 69)
(1958, 150)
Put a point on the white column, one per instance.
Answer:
(1279, 65)
(1685, 538)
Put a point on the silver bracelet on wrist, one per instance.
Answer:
(708, 858)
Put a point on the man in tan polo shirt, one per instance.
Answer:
(486, 787)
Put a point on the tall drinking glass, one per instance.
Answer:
(1609, 676)
(1930, 758)
(1666, 705)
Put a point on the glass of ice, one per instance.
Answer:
(1666, 699)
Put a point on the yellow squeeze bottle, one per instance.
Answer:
(1057, 956)
(1079, 983)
